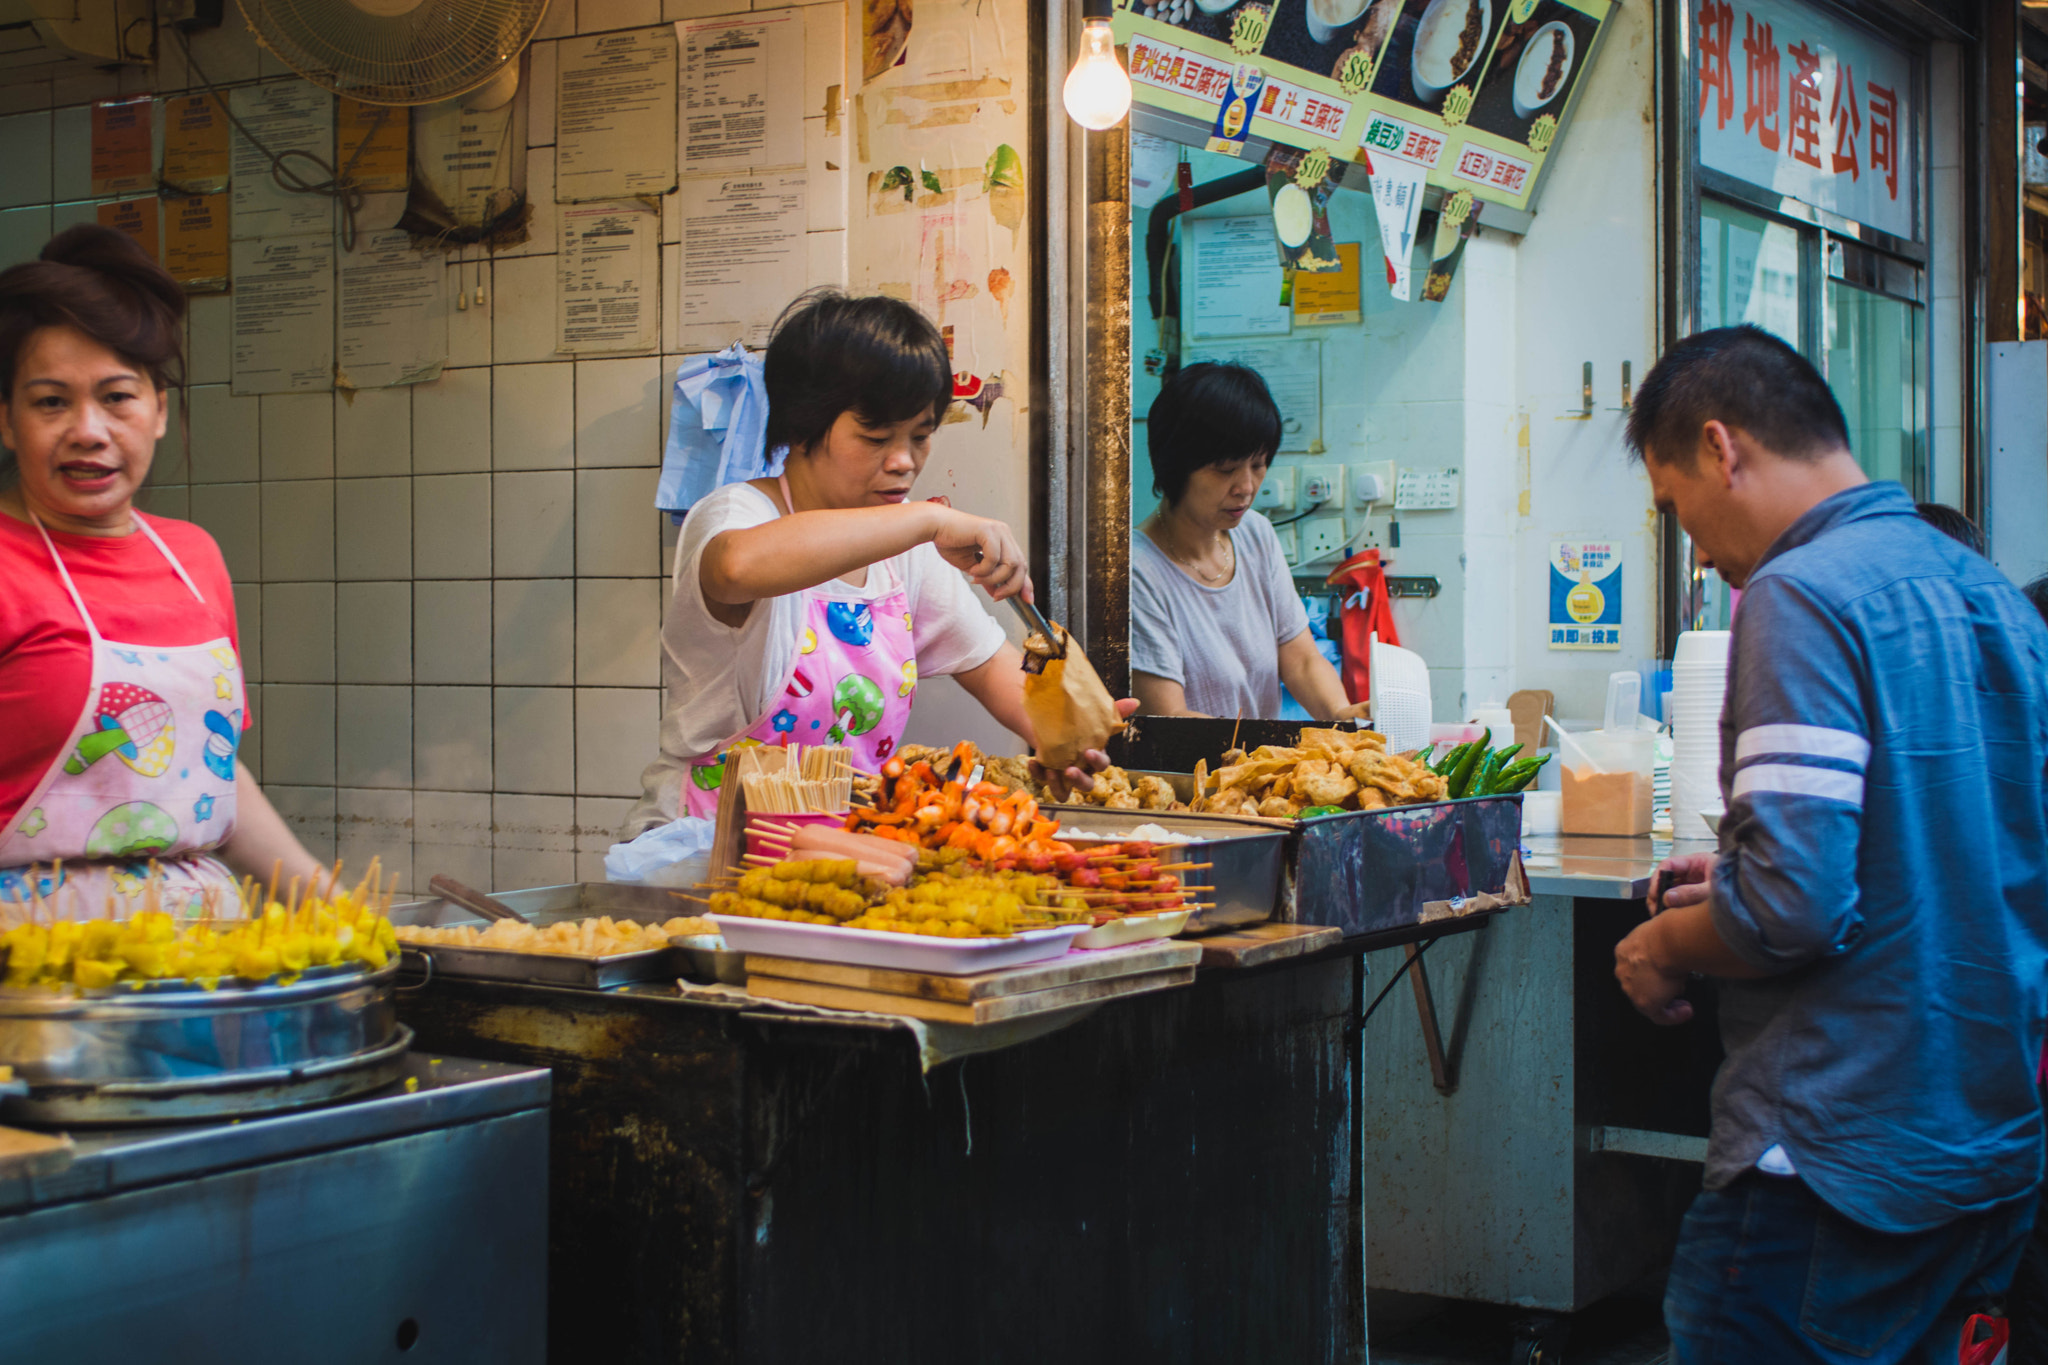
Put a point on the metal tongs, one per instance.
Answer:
(1035, 622)
(490, 907)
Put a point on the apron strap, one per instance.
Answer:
(788, 503)
(158, 541)
(91, 629)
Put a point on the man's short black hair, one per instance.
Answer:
(2037, 593)
(1208, 413)
(1952, 524)
(876, 357)
(1744, 378)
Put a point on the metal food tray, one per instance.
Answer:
(545, 905)
(1248, 857)
(1370, 871)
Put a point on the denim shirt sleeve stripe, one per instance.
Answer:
(1791, 779)
(1806, 741)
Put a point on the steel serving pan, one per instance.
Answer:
(542, 906)
(1247, 857)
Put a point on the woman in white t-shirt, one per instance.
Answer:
(1216, 626)
(807, 607)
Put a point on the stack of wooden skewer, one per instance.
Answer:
(822, 783)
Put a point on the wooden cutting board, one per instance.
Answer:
(1071, 969)
(25, 1153)
(986, 1010)
(1259, 944)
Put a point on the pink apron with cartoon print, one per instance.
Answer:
(852, 684)
(149, 772)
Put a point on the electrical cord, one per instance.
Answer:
(1313, 509)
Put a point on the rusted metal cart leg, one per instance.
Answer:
(1425, 1012)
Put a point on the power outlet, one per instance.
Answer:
(1290, 544)
(1276, 494)
(1321, 538)
(1364, 477)
(1322, 484)
(1368, 533)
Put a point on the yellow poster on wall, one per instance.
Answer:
(1331, 297)
(138, 218)
(372, 142)
(196, 242)
(121, 159)
(195, 144)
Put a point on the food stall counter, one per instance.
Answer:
(1605, 867)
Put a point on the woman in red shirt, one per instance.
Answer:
(119, 677)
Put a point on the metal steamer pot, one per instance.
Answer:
(169, 1051)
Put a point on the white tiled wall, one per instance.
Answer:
(450, 595)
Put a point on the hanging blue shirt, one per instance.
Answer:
(1885, 857)
(717, 429)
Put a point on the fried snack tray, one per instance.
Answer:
(542, 906)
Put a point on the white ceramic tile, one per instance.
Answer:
(452, 632)
(451, 422)
(451, 738)
(224, 436)
(25, 152)
(616, 734)
(249, 630)
(373, 632)
(298, 531)
(71, 152)
(372, 824)
(298, 633)
(533, 524)
(29, 95)
(825, 259)
(297, 436)
(672, 10)
(207, 354)
(168, 464)
(670, 296)
(598, 819)
(602, 16)
(451, 526)
(309, 813)
(71, 215)
(523, 310)
(533, 416)
(618, 530)
(824, 55)
(373, 728)
(232, 514)
(222, 55)
(451, 833)
(560, 20)
(825, 182)
(540, 192)
(539, 90)
(619, 412)
(533, 637)
(372, 529)
(536, 740)
(22, 234)
(166, 499)
(298, 733)
(373, 432)
(618, 632)
(469, 329)
(533, 840)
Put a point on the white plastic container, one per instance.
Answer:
(1542, 812)
(1608, 781)
(902, 952)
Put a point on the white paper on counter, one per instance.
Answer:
(1397, 188)
(287, 116)
(608, 292)
(393, 314)
(1231, 284)
(465, 157)
(615, 124)
(284, 315)
(742, 92)
(744, 257)
(1293, 370)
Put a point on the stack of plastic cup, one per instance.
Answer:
(1699, 684)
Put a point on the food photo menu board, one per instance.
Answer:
(1468, 94)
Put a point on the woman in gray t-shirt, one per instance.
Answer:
(1215, 623)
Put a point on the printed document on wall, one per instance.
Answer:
(1231, 285)
(394, 314)
(610, 266)
(287, 116)
(743, 257)
(615, 124)
(468, 159)
(742, 93)
(284, 315)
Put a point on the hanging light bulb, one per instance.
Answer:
(1098, 90)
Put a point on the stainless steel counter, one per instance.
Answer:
(1599, 867)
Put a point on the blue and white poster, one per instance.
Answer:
(1585, 594)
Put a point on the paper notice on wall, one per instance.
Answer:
(743, 257)
(392, 314)
(742, 93)
(615, 122)
(1329, 298)
(1231, 283)
(196, 241)
(287, 116)
(608, 296)
(372, 142)
(1397, 188)
(1426, 490)
(123, 159)
(1293, 371)
(284, 315)
(466, 160)
(1585, 594)
(196, 145)
(139, 219)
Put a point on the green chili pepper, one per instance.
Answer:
(1461, 776)
(1442, 767)
(1496, 764)
(1524, 782)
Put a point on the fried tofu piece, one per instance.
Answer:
(1278, 808)
(1155, 793)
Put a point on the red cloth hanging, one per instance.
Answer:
(1363, 613)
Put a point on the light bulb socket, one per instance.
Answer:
(1097, 9)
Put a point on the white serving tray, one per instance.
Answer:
(1135, 929)
(901, 952)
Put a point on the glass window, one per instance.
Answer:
(1749, 271)
(1874, 345)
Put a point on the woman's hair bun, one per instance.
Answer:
(102, 283)
(90, 246)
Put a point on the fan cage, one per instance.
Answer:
(440, 50)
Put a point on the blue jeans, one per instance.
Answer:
(1766, 1272)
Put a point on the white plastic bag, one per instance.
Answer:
(675, 854)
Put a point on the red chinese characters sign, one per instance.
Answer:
(1802, 103)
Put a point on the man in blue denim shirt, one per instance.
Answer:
(1878, 909)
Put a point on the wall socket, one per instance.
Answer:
(1276, 494)
(1322, 483)
(1361, 487)
(1321, 538)
(1290, 544)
